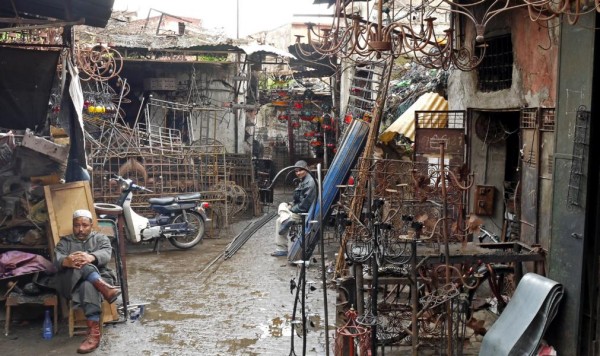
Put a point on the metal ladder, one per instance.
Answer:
(365, 86)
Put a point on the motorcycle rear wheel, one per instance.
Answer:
(193, 237)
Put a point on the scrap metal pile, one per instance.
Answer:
(28, 162)
(406, 261)
(157, 158)
(413, 82)
(410, 269)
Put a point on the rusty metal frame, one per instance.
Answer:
(157, 159)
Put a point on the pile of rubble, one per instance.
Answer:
(28, 163)
(414, 80)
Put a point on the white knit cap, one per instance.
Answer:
(82, 213)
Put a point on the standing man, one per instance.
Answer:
(81, 260)
(304, 195)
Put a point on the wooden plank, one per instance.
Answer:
(49, 149)
(62, 200)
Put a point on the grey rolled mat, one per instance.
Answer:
(522, 324)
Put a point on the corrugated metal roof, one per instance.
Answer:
(141, 36)
(405, 124)
(145, 33)
(255, 48)
(95, 12)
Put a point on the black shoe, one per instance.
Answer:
(278, 253)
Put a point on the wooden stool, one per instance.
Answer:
(77, 318)
(16, 299)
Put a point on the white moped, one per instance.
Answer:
(180, 219)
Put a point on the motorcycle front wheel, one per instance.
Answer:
(194, 236)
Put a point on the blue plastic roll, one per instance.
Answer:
(338, 173)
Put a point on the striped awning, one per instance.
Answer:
(405, 124)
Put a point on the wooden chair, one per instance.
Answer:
(77, 320)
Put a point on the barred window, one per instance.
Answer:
(495, 71)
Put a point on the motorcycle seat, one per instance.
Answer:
(171, 200)
(189, 196)
(161, 201)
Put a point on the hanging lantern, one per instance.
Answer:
(298, 105)
(283, 117)
(316, 143)
(295, 124)
(306, 116)
(279, 103)
(309, 134)
(348, 118)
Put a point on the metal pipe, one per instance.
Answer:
(373, 226)
(413, 294)
(303, 282)
(120, 100)
(302, 278)
(137, 117)
(323, 269)
(446, 246)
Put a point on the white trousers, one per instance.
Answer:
(281, 241)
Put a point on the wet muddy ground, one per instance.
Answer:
(198, 303)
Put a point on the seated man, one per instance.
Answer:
(81, 260)
(304, 195)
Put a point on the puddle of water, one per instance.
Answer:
(166, 336)
(314, 322)
(258, 294)
(158, 315)
(166, 295)
(235, 345)
(282, 326)
(279, 327)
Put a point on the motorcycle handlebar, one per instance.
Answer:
(133, 185)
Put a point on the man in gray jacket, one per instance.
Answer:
(81, 260)
(304, 196)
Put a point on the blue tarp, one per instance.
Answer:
(338, 173)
